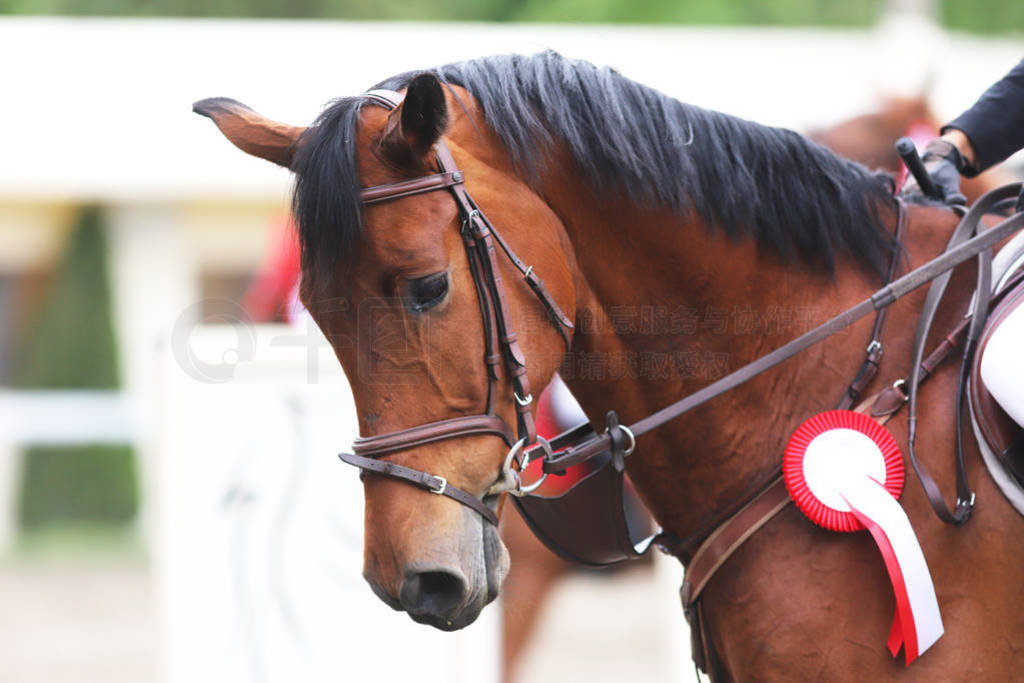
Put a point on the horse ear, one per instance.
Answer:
(418, 122)
(250, 132)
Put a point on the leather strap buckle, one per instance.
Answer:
(441, 487)
(964, 509)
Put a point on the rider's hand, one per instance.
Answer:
(946, 178)
(944, 164)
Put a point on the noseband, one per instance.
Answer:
(500, 342)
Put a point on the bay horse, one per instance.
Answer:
(682, 243)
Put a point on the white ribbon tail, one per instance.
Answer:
(917, 623)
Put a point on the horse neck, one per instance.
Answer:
(667, 305)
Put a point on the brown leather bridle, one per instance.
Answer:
(501, 343)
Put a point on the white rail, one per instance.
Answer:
(50, 418)
(68, 416)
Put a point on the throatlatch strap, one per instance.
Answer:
(875, 350)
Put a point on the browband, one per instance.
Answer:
(405, 188)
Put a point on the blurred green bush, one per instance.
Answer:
(78, 486)
(985, 16)
(71, 345)
(710, 12)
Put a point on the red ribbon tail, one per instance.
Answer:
(895, 641)
(903, 628)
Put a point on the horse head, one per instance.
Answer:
(393, 281)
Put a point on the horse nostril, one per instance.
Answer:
(436, 593)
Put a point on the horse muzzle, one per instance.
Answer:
(448, 585)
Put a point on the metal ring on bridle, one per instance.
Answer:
(523, 401)
(530, 488)
(632, 439)
(510, 481)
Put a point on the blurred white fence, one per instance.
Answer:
(47, 418)
(260, 526)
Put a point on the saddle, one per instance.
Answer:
(1000, 438)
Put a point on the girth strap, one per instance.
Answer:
(430, 482)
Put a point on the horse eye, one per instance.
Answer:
(426, 292)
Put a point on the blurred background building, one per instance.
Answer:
(161, 453)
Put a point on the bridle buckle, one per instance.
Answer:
(442, 487)
(523, 401)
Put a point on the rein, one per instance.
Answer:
(501, 343)
(880, 299)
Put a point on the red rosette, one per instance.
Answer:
(821, 512)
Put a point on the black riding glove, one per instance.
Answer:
(944, 164)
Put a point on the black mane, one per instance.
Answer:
(793, 195)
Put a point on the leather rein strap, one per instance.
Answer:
(880, 299)
(970, 225)
(481, 241)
